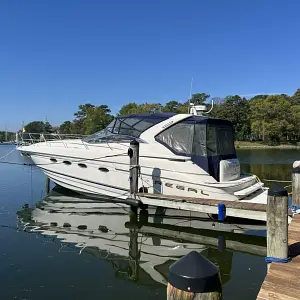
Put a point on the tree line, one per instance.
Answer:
(272, 119)
(7, 136)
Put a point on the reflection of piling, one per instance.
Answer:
(193, 277)
(277, 224)
(134, 254)
(47, 185)
(296, 183)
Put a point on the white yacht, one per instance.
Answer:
(185, 155)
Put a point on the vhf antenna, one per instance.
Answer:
(191, 88)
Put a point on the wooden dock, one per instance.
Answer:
(283, 279)
(238, 209)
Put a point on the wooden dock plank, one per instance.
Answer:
(209, 202)
(282, 280)
(236, 209)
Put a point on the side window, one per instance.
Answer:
(179, 138)
(199, 142)
(226, 141)
(211, 140)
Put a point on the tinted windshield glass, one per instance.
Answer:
(125, 129)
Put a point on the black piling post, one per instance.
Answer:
(194, 277)
(133, 153)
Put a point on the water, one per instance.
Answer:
(66, 263)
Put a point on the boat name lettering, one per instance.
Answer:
(168, 124)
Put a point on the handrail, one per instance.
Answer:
(28, 138)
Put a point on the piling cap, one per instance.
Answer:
(277, 190)
(195, 273)
(296, 170)
(134, 143)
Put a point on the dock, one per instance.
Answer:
(238, 209)
(282, 280)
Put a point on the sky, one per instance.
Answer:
(56, 55)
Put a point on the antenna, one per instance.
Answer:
(5, 133)
(191, 88)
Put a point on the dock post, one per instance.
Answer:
(277, 224)
(47, 185)
(194, 277)
(296, 184)
(133, 153)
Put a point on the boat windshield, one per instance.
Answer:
(125, 129)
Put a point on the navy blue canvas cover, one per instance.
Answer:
(213, 141)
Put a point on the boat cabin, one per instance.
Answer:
(208, 141)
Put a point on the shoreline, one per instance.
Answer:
(282, 147)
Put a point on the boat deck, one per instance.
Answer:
(282, 280)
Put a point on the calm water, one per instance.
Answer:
(66, 263)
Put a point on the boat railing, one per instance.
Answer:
(27, 138)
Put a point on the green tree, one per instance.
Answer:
(172, 106)
(199, 98)
(150, 108)
(96, 119)
(295, 99)
(129, 109)
(35, 127)
(236, 110)
(270, 118)
(47, 127)
(262, 97)
(82, 110)
(66, 127)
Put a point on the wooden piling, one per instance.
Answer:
(133, 153)
(47, 185)
(296, 183)
(277, 224)
(194, 277)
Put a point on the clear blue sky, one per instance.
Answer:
(55, 55)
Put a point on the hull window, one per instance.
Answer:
(105, 170)
(82, 165)
(53, 160)
(66, 162)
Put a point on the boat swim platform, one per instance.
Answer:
(282, 280)
(238, 209)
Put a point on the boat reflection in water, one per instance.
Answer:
(140, 248)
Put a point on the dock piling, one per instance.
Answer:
(277, 224)
(47, 185)
(194, 277)
(133, 153)
(296, 184)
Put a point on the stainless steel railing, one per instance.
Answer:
(26, 138)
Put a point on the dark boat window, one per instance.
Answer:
(82, 165)
(53, 159)
(66, 162)
(105, 170)
(123, 129)
(225, 139)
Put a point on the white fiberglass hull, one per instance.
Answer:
(104, 170)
